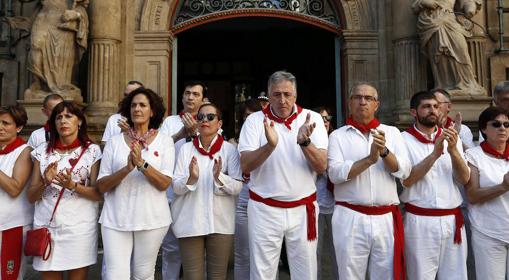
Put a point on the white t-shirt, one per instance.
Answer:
(466, 136)
(37, 137)
(72, 209)
(375, 186)
(491, 217)
(14, 212)
(205, 207)
(112, 127)
(437, 189)
(135, 204)
(286, 174)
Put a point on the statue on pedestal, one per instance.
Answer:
(443, 40)
(58, 40)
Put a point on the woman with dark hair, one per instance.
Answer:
(135, 172)
(16, 213)
(207, 182)
(64, 174)
(487, 193)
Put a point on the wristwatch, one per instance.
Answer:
(305, 143)
(142, 167)
(385, 153)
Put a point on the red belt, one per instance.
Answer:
(399, 236)
(410, 208)
(308, 201)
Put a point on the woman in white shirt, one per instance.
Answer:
(135, 172)
(488, 196)
(16, 213)
(207, 182)
(74, 225)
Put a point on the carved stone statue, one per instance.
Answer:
(58, 40)
(443, 40)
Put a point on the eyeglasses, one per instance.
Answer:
(368, 98)
(497, 124)
(327, 118)
(210, 117)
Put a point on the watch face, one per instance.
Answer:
(145, 165)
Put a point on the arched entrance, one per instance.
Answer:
(234, 48)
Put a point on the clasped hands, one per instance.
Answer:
(62, 178)
(303, 135)
(194, 171)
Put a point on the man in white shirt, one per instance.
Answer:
(116, 124)
(445, 107)
(435, 238)
(365, 157)
(41, 135)
(181, 126)
(283, 147)
(500, 99)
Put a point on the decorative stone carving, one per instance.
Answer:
(443, 40)
(58, 40)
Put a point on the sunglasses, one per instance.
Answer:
(327, 118)
(210, 117)
(497, 124)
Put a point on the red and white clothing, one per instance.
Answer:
(16, 216)
(490, 220)
(112, 127)
(206, 207)
(430, 247)
(74, 227)
(284, 176)
(361, 239)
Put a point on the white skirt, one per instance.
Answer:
(72, 247)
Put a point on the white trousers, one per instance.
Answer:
(267, 227)
(241, 243)
(364, 244)
(131, 254)
(430, 249)
(22, 269)
(491, 257)
(171, 261)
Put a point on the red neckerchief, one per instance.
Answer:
(413, 131)
(374, 123)
(46, 126)
(10, 257)
(288, 121)
(487, 148)
(213, 149)
(448, 122)
(12, 146)
(181, 113)
(75, 144)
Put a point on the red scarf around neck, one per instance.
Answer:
(449, 122)
(75, 144)
(288, 121)
(12, 146)
(213, 149)
(374, 123)
(487, 148)
(413, 131)
(46, 126)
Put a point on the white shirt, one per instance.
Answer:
(72, 209)
(205, 207)
(466, 136)
(14, 212)
(286, 174)
(375, 186)
(324, 197)
(491, 217)
(37, 137)
(437, 189)
(135, 204)
(112, 127)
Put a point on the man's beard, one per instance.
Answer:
(427, 121)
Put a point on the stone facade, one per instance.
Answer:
(134, 40)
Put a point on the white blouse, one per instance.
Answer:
(18, 211)
(135, 204)
(205, 207)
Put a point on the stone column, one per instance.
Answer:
(104, 66)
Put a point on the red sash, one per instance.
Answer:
(399, 235)
(410, 208)
(308, 201)
(12, 247)
(288, 121)
(374, 123)
(487, 148)
(412, 131)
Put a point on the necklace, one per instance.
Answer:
(142, 139)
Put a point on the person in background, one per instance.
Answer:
(264, 100)
(500, 99)
(488, 196)
(16, 213)
(73, 227)
(41, 135)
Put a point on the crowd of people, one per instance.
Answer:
(176, 185)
